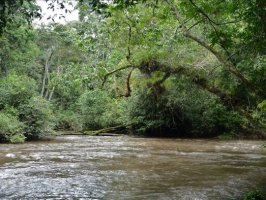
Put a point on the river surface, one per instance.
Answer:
(92, 167)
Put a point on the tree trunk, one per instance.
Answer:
(46, 71)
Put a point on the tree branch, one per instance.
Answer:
(114, 71)
(220, 57)
(128, 88)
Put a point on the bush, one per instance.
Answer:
(99, 110)
(16, 90)
(38, 118)
(17, 138)
(155, 115)
(180, 110)
(214, 119)
(68, 120)
(254, 194)
(10, 128)
(260, 114)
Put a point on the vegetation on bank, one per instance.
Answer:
(254, 194)
(162, 68)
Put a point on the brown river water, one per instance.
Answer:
(97, 167)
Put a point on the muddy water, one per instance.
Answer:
(84, 167)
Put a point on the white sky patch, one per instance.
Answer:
(59, 15)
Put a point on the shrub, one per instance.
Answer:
(10, 128)
(155, 115)
(260, 114)
(16, 90)
(98, 109)
(68, 120)
(213, 119)
(17, 138)
(254, 194)
(180, 110)
(38, 118)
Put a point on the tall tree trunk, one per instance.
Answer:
(46, 71)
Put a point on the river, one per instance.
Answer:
(97, 167)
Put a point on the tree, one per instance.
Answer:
(214, 43)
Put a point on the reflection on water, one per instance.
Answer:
(84, 167)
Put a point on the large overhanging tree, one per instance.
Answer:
(195, 39)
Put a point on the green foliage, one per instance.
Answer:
(147, 113)
(11, 130)
(213, 52)
(255, 70)
(17, 98)
(212, 118)
(92, 106)
(18, 138)
(98, 109)
(68, 120)
(10, 9)
(38, 118)
(68, 86)
(182, 110)
(254, 194)
(262, 105)
(16, 90)
(19, 50)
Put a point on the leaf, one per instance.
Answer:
(262, 105)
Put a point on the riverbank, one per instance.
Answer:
(103, 132)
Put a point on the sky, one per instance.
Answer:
(46, 13)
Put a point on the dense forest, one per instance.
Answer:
(181, 68)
